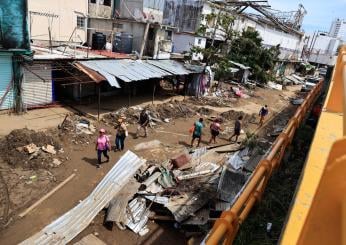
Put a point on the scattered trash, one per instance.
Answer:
(274, 86)
(56, 162)
(49, 149)
(297, 101)
(31, 148)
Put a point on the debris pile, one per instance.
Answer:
(78, 129)
(187, 189)
(30, 149)
(232, 115)
(216, 100)
(158, 113)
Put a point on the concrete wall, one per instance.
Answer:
(97, 10)
(184, 42)
(63, 20)
(136, 29)
(100, 25)
(291, 44)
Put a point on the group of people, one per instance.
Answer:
(103, 144)
(215, 127)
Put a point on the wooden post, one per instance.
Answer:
(154, 89)
(21, 215)
(144, 40)
(129, 93)
(99, 102)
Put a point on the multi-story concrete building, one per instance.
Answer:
(60, 21)
(322, 48)
(338, 29)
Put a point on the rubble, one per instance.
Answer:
(29, 149)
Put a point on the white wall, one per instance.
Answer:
(62, 25)
(291, 44)
(184, 42)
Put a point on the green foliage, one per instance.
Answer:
(248, 50)
(245, 48)
(250, 140)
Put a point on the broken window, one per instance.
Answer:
(80, 22)
(105, 2)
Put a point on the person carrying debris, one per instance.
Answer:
(215, 129)
(103, 145)
(121, 134)
(237, 129)
(263, 113)
(143, 123)
(197, 132)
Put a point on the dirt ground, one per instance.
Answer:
(23, 191)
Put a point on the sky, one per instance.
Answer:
(320, 14)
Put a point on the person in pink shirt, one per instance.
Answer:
(102, 146)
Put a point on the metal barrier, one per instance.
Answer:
(226, 227)
(318, 213)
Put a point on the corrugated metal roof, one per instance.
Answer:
(65, 228)
(126, 70)
(171, 66)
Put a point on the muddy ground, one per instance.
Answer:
(79, 157)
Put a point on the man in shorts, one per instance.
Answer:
(197, 132)
(237, 129)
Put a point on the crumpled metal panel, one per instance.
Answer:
(126, 70)
(65, 228)
(171, 66)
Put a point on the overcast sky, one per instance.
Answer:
(320, 12)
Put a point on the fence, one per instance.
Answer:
(226, 227)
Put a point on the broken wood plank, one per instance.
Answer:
(90, 239)
(47, 195)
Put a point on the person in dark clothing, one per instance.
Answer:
(143, 122)
(121, 134)
(237, 128)
(263, 113)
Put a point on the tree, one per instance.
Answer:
(245, 48)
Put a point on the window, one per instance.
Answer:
(106, 2)
(80, 22)
(168, 35)
(199, 41)
(92, 1)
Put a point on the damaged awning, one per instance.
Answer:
(126, 70)
(171, 66)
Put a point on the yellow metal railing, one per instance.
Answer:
(318, 215)
(226, 227)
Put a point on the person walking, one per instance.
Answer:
(237, 129)
(263, 113)
(197, 132)
(143, 123)
(215, 129)
(121, 134)
(102, 146)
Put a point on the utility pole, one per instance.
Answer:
(144, 40)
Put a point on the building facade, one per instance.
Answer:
(338, 29)
(57, 22)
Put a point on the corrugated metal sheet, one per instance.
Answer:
(65, 228)
(126, 70)
(35, 90)
(171, 66)
(6, 81)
